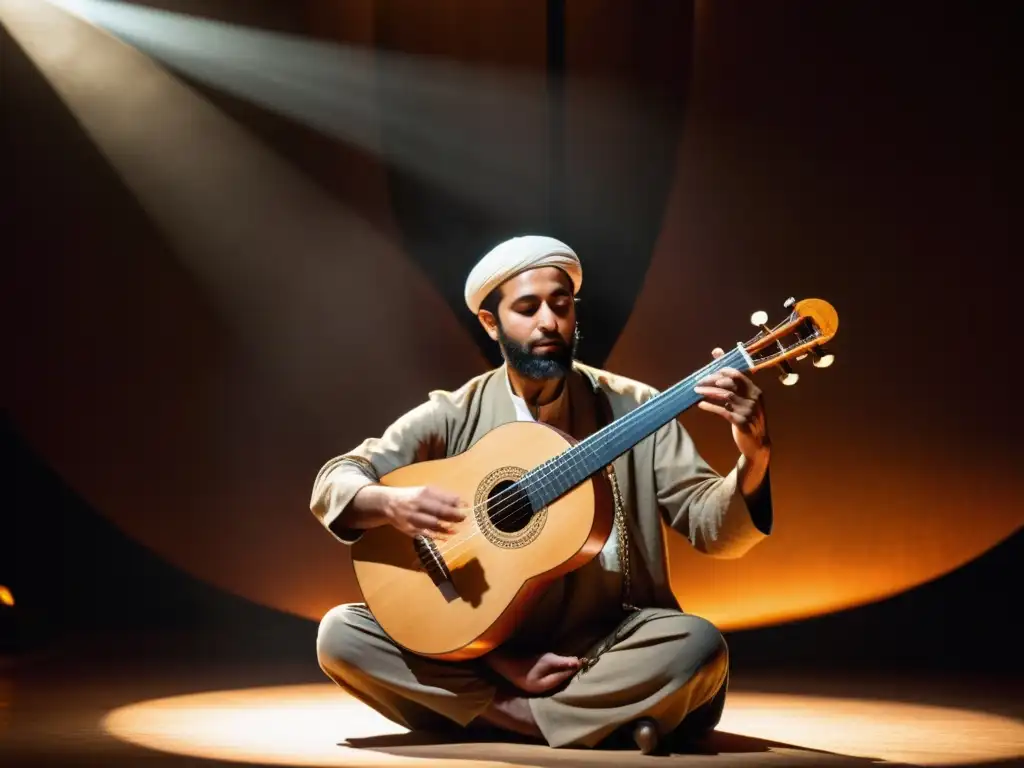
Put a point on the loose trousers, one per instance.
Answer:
(657, 663)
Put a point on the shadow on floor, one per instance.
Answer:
(442, 746)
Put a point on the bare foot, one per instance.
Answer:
(511, 713)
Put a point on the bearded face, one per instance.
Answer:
(535, 323)
(549, 358)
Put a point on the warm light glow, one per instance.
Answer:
(881, 730)
(308, 725)
(229, 208)
(6, 598)
(871, 498)
(291, 725)
(866, 523)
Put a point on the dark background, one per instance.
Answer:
(862, 150)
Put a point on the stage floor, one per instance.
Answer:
(100, 706)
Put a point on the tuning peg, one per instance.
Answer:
(789, 377)
(759, 318)
(822, 358)
(789, 303)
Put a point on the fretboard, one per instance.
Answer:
(560, 474)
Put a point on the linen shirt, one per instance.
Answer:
(663, 480)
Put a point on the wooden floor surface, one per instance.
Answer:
(95, 709)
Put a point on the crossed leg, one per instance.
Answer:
(666, 665)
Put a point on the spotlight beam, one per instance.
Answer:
(275, 250)
(191, 466)
(430, 109)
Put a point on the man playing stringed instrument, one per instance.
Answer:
(606, 652)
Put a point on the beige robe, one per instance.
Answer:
(662, 480)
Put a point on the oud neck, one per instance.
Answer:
(560, 474)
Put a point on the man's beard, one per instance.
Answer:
(550, 366)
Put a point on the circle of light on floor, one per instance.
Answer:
(309, 724)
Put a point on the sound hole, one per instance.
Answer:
(508, 507)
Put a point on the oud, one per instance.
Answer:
(541, 506)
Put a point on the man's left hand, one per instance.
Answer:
(739, 401)
(534, 674)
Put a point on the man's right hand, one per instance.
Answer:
(423, 511)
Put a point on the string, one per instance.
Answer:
(550, 466)
(554, 465)
(542, 474)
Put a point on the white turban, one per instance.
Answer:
(518, 255)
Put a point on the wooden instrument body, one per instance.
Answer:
(459, 598)
(497, 576)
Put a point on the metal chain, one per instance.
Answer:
(623, 535)
(620, 524)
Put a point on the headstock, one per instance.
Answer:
(810, 325)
